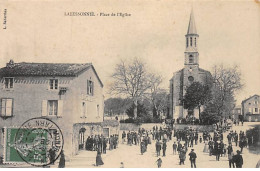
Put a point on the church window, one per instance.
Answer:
(190, 59)
(195, 42)
(190, 41)
(187, 42)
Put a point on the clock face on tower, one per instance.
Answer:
(190, 70)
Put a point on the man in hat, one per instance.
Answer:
(193, 157)
(238, 159)
(174, 146)
(164, 146)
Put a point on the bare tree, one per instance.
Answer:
(227, 81)
(132, 80)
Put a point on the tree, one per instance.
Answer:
(132, 80)
(117, 106)
(159, 102)
(227, 81)
(196, 96)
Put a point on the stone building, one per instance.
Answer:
(236, 112)
(71, 95)
(191, 72)
(251, 108)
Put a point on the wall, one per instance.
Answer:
(149, 126)
(79, 87)
(91, 129)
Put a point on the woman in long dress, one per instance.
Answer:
(99, 160)
(206, 147)
(62, 160)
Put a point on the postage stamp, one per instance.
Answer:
(39, 142)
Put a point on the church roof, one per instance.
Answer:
(192, 27)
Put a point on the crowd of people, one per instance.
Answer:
(100, 143)
(142, 137)
(215, 144)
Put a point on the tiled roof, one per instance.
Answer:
(43, 69)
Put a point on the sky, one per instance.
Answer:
(39, 31)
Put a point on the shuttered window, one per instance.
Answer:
(9, 83)
(52, 107)
(53, 84)
(6, 107)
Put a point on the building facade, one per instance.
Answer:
(236, 113)
(71, 95)
(251, 108)
(191, 72)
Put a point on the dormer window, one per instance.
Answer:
(53, 84)
(9, 82)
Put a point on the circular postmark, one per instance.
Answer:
(39, 141)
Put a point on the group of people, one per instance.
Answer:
(185, 138)
(99, 143)
(188, 135)
(159, 133)
(215, 146)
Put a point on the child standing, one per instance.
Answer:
(159, 162)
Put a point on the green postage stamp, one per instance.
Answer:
(25, 145)
(37, 142)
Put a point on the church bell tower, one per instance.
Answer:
(191, 52)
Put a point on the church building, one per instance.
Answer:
(191, 72)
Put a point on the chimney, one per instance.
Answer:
(10, 64)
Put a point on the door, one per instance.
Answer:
(81, 138)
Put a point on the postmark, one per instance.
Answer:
(38, 142)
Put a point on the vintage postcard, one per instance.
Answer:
(129, 84)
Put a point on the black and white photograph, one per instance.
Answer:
(129, 84)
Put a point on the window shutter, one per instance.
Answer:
(1, 108)
(87, 87)
(92, 88)
(44, 107)
(60, 107)
(9, 106)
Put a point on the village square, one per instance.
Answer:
(73, 115)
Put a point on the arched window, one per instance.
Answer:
(190, 59)
(187, 42)
(195, 42)
(190, 41)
